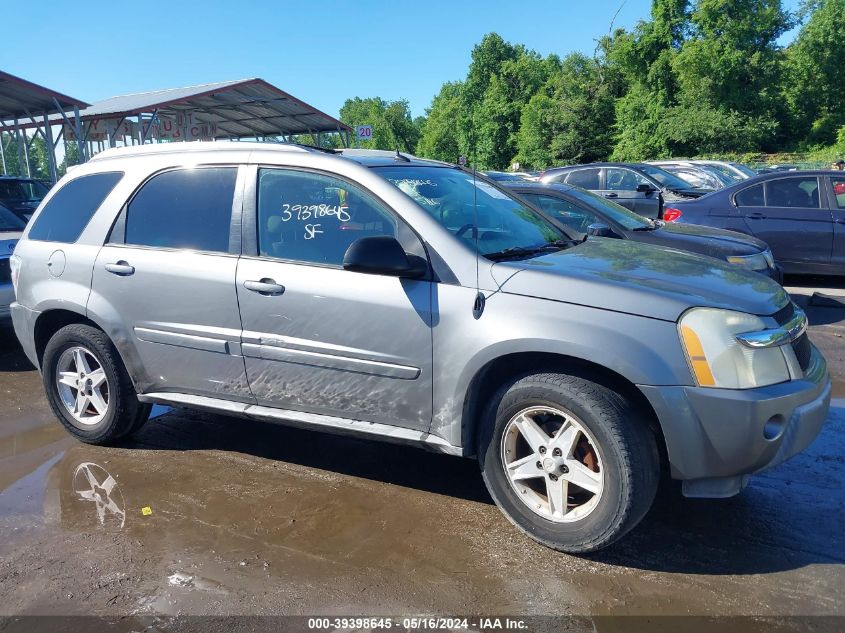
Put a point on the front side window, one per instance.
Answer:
(801, 193)
(623, 179)
(751, 197)
(473, 210)
(584, 178)
(68, 212)
(183, 209)
(311, 217)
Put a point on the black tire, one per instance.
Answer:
(626, 448)
(124, 415)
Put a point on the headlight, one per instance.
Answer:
(718, 359)
(759, 261)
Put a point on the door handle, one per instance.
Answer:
(266, 287)
(840, 220)
(120, 268)
(755, 216)
(611, 195)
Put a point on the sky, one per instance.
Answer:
(320, 51)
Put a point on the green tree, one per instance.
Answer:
(393, 127)
(570, 120)
(814, 86)
(439, 133)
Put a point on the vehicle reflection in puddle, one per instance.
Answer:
(92, 483)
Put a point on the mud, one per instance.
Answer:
(204, 514)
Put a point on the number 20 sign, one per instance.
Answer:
(364, 132)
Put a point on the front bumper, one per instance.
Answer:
(715, 438)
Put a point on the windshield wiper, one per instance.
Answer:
(528, 251)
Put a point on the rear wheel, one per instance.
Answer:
(570, 462)
(88, 387)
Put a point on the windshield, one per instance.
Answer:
(663, 177)
(9, 221)
(22, 191)
(629, 220)
(727, 175)
(744, 169)
(467, 207)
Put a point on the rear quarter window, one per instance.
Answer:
(68, 212)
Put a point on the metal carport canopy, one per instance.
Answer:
(241, 108)
(20, 98)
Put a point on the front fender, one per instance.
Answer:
(642, 350)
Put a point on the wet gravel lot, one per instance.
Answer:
(204, 514)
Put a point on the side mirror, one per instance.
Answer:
(382, 255)
(599, 230)
(645, 188)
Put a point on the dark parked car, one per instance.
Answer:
(21, 196)
(800, 215)
(583, 213)
(636, 186)
(509, 176)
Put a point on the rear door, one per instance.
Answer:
(318, 338)
(837, 257)
(167, 277)
(793, 221)
(620, 186)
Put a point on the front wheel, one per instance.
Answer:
(88, 387)
(570, 462)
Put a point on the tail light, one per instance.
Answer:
(15, 271)
(670, 214)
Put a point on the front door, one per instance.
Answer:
(167, 276)
(621, 187)
(793, 221)
(321, 339)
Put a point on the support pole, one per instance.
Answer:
(20, 148)
(51, 149)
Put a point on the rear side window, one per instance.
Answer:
(795, 193)
(751, 197)
(69, 211)
(584, 178)
(184, 209)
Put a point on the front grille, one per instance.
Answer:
(801, 347)
(5, 272)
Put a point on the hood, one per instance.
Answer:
(650, 281)
(704, 240)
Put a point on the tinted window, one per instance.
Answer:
(585, 178)
(793, 193)
(9, 221)
(839, 191)
(185, 208)
(751, 197)
(69, 211)
(563, 211)
(623, 179)
(310, 217)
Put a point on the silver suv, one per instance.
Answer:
(409, 300)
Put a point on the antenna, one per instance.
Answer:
(480, 299)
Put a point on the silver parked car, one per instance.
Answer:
(409, 300)
(11, 227)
